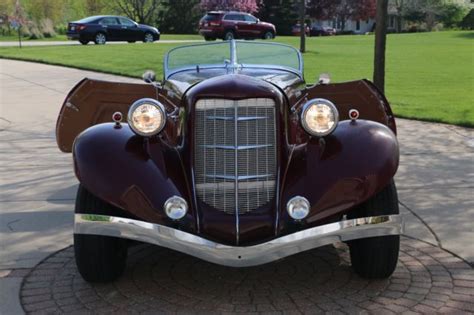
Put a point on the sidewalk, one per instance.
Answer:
(435, 179)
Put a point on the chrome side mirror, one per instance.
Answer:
(324, 78)
(149, 76)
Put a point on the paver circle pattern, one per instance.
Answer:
(157, 280)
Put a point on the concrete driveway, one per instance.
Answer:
(37, 184)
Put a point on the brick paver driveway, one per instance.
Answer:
(427, 280)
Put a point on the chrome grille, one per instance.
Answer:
(235, 153)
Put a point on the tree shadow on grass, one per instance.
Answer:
(467, 35)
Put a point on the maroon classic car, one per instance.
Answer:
(233, 158)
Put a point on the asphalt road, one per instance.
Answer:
(30, 43)
(37, 185)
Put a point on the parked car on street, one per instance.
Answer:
(103, 28)
(317, 30)
(230, 25)
(296, 30)
(232, 158)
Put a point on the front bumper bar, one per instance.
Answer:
(238, 256)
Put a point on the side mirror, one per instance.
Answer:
(149, 76)
(324, 78)
(258, 21)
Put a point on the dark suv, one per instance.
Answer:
(230, 25)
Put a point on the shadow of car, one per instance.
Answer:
(103, 28)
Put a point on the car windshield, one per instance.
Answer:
(241, 53)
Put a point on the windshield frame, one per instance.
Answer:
(233, 65)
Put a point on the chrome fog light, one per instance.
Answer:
(176, 208)
(298, 207)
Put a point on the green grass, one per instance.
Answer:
(430, 76)
(14, 38)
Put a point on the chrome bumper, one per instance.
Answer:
(238, 256)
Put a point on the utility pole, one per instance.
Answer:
(380, 43)
(302, 27)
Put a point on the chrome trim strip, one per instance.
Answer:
(236, 164)
(239, 147)
(241, 177)
(237, 256)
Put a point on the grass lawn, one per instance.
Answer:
(14, 38)
(430, 76)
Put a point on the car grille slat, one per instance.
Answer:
(235, 171)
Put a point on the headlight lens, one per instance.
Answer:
(319, 117)
(147, 117)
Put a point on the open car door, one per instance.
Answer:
(92, 102)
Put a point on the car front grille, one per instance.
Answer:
(235, 153)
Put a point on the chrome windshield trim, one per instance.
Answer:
(238, 256)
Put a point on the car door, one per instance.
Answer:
(111, 27)
(251, 27)
(129, 30)
(237, 23)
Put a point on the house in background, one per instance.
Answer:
(363, 26)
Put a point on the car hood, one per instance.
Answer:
(148, 27)
(267, 24)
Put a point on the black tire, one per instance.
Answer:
(229, 35)
(83, 41)
(98, 258)
(268, 35)
(100, 38)
(131, 41)
(376, 257)
(148, 38)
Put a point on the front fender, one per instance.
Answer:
(133, 173)
(340, 171)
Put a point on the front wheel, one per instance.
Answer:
(148, 38)
(268, 35)
(98, 258)
(376, 257)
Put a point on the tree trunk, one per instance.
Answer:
(302, 26)
(380, 42)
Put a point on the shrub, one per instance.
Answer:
(34, 31)
(47, 28)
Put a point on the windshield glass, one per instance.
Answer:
(244, 54)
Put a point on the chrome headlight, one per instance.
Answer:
(147, 117)
(319, 117)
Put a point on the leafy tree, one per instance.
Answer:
(452, 14)
(468, 21)
(179, 16)
(95, 7)
(142, 11)
(250, 6)
(282, 13)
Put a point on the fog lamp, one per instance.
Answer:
(319, 117)
(176, 208)
(298, 207)
(147, 117)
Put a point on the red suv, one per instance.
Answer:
(230, 25)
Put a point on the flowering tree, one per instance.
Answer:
(342, 9)
(250, 6)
